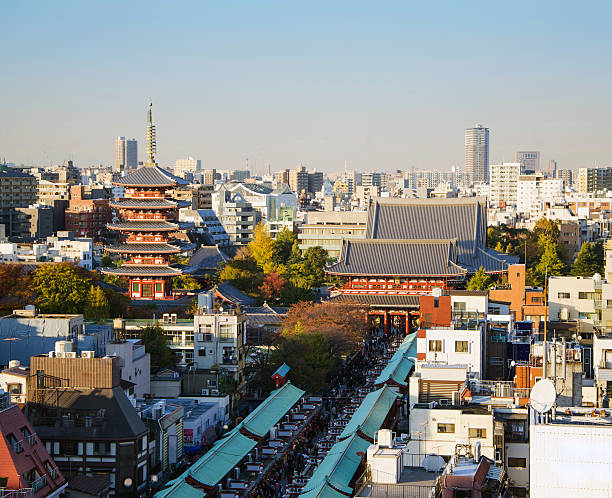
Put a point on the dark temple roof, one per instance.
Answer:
(143, 225)
(229, 293)
(129, 270)
(378, 300)
(397, 258)
(464, 220)
(145, 248)
(207, 258)
(150, 176)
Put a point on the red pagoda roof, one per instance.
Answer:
(131, 270)
(143, 203)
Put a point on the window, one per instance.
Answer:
(446, 428)
(135, 287)
(226, 332)
(496, 360)
(147, 290)
(563, 295)
(537, 299)
(68, 447)
(588, 295)
(202, 352)
(158, 287)
(479, 433)
(517, 462)
(459, 306)
(461, 346)
(435, 346)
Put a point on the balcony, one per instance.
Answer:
(17, 446)
(39, 483)
(31, 439)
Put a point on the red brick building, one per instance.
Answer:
(87, 217)
(24, 460)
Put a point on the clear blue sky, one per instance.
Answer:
(383, 85)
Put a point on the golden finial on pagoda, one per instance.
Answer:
(151, 143)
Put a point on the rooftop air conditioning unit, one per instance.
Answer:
(70, 354)
(173, 318)
(445, 402)
(166, 318)
(88, 354)
(214, 392)
(456, 398)
(204, 392)
(60, 354)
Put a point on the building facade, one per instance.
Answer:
(477, 153)
(126, 154)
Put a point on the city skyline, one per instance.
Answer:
(379, 87)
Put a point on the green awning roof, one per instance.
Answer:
(401, 362)
(273, 408)
(371, 413)
(181, 489)
(338, 467)
(323, 490)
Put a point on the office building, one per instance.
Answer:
(126, 154)
(190, 166)
(552, 168)
(328, 229)
(529, 161)
(371, 179)
(477, 153)
(298, 180)
(503, 183)
(315, 181)
(594, 179)
(567, 175)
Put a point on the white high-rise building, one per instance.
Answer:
(477, 153)
(184, 166)
(534, 192)
(529, 159)
(126, 154)
(504, 181)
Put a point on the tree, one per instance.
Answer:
(310, 357)
(263, 250)
(480, 281)
(156, 344)
(293, 293)
(15, 287)
(590, 260)
(107, 261)
(272, 286)
(97, 306)
(61, 288)
(242, 271)
(283, 246)
(550, 263)
(547, 227)
(341, 324)
(309, 271)
(185, 282)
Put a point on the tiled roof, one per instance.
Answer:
(152, 176)
(153, 248)
(398, 300)
(464, 220)
(207, 257)
(397, 257)
(228, 292)
(142, 270)
(143, 225)
(144, 203)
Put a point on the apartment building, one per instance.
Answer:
(536, 192)
(328, 229)
(87, 216)
(504, 184)
(237, 215)
(91, 428)
(134, 364)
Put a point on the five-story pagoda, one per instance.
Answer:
(148, 222)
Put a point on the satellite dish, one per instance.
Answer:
(543, 395)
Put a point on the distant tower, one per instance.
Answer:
(126, 154)
(151, 138)
(477, 153)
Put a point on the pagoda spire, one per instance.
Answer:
(151, 142)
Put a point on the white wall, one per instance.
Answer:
(472, 359)
(426, 439)
(570, 461)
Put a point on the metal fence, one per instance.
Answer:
(398, 491)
